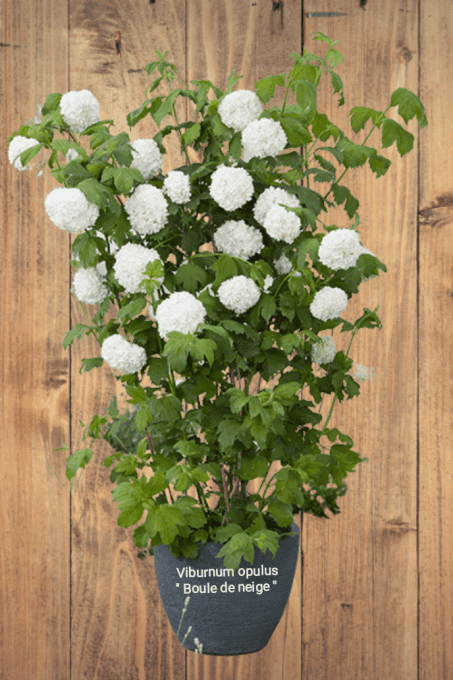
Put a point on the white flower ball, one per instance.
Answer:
(71, 155)
(239, 294)
(268, 281)
(130, 262)
(177, 186)
(238, 109)
(231, 188)
(147, 209)
(282, 224)
(340, 249)
(88, 286)
(80, 109)
(324, 352)
(180, 312)
(17, 146)
(283, 265)
(262, 138)
(273, 196)
(125, 356)
(329, 303)
(238, 239)
(69, 209)
(146, 157)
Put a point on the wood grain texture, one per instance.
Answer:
(34, 393)
(360, 576)
(372, 598)
(435, 259)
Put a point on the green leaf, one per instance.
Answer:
(77, 332)
(251, 468)
(297, 134)
(191, 277)
(77, 460)
(177, 350)
(235, 146)
(228, 431)
(306, 98)
(191, 135)
(52, 103)
(165, 520)
(203, 349)
(265, 87)
(310, 246)
(89, 364)
(342, 194)
(124, 179)
(132, 308)
(360, 116)
(393, 131)
(26, 156)
(409, 105)
(94, 192)
(237, 399)
(166, 108)
(239, 546)
(158, 369)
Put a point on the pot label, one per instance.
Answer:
(226, 587)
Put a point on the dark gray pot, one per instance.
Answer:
(233, 622)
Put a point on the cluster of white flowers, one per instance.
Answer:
(238, 239)
(239, 294)
(270, 197)
(146, 157)
(340, 249)
(281, 224)
(282, 265)
(177, 186)
(262, 138)
(69, 209)
(363, 374)
(268, 281)
(80, 109)
(179, 312)
(17, 146)
(231, 188)
(239, 109)
(125, 356)
(130, 263)
(147, 209)
(324, 352)
(88, 286)
(329, 303)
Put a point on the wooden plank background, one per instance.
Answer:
(373, 597)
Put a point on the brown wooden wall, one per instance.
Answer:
(373, 598)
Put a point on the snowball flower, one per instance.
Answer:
(281, 224)
(238, 239)
(125, 356)
(239, 294)
(17, 146)
(130, 263)
(88, 286)
(329, 303)
(282, 265)
(146, 157)
(177, 186)
(324, 352)
(231, 188)
(180, 312)
(71, 155)
(80, 109)
(262, 138)
(270, 197)
(268, 281)
(340, 249)
(147, 209)
(362, 373)
(239, 109)
(69, 209)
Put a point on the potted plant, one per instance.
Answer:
(208, 270)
